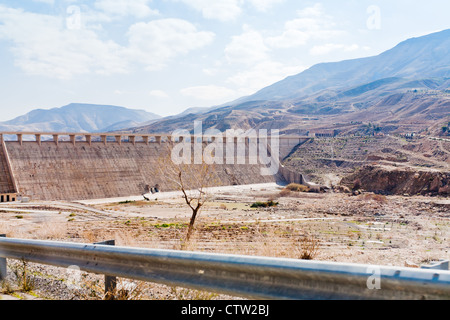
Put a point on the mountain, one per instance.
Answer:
(405, 88)
(416, 58)
(79, 118)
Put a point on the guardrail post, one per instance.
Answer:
(437, 265)
(3, 271)
(110, 281)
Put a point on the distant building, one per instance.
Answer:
(8, 197)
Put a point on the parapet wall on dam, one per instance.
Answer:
(87, 169)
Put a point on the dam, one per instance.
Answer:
(84, 166)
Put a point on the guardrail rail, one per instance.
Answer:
(244, 276)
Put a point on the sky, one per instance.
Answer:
(165, 56)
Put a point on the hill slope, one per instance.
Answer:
(78, 118)
(407, 84)
(416, 58)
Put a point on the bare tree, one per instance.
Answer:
(191, 179)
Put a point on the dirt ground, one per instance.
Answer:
(367, 228)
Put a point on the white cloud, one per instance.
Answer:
(46, 1)
(262, 75)
(247, 48)
(223, 10)
(264, 5)
(208, 93)
(158, 94)
(330, 47)
(314, 11)
(250, 50)
(289, 39)
(42, 45)
(311, 24)
(156, 42)
(227, 10)
(136, 8)
(45, 45)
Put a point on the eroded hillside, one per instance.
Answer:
(329, 160)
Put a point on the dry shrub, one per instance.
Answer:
(285, 192)
(297, 187)
(375, 197)
(271, 243)
(293, 187)
(88, 236)
(190, 294)
(356, 184)
(25, 281)
(308, 247)
(266, 204)
(93, 288)
(128, 290)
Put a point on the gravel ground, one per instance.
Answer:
(369, 229)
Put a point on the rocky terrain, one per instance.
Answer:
(390, 164)
(366, 228)
(377, 172)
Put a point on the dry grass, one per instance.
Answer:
(6, 228)
(125, 290)
(375, 197)
(25, 282)
(293, 189)
(48, 231)
(340, 238)
(308, 248)
(297, 187)
(189, 294)
(271, 241)
(285, 192)
(41, 231)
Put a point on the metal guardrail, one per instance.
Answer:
(245, 276)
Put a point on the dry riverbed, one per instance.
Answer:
(369, 229)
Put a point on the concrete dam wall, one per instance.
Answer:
(94, 171)
(86, 166)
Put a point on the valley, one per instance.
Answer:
(364, 173)
(383, 230)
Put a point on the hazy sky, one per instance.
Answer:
(164, 56)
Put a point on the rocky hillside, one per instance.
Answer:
(404, 89)
(399, 181)
(328, 160)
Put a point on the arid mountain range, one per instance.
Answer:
(403, 89)
(77, 117)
